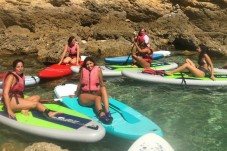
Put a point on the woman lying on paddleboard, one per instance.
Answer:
(92, 91)
(13, 89)
(205, 68)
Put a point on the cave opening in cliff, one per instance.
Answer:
(183, 44)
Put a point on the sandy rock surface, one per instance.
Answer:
(105, 28)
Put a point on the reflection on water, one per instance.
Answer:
(192, 118)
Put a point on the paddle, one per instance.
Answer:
(125, 63)
(127, 116)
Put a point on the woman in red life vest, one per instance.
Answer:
(92, 91)
(13, 98)
(205, 68)
(143, 55)
(72, 50)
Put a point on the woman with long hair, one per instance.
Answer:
(205, 68)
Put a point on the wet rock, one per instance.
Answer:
(42, 27)
(43, 146)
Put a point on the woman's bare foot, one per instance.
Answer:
(52, 114)
(168, 73)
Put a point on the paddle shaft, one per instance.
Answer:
(131, 51)
(129, 55)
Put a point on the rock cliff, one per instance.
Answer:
(104, 27)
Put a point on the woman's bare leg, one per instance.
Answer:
(143, 63)
(105, 98)
(190, 67)
(67, 60)
(90, 99)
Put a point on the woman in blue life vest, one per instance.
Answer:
(13, 97)
(205, 68)
(92, 91)
(71, 53)
(142, 57)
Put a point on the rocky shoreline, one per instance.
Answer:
(104, 28)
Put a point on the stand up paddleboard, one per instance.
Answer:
(68, 126)
(29, 80)
(177, 78)
(220, 70)
(115, 70)
(150, 142)
(127, 122)
(57, 71)
(128, 59)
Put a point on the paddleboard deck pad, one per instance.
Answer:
(177, 78)
(68, 126)
(127, 122)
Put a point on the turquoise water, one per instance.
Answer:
(192, 118)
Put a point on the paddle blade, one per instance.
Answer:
(127, 116)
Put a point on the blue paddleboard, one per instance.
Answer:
(123, 59)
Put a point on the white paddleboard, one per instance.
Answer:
(165, 53)
(29, 80)
(150, 142)
(220, 70)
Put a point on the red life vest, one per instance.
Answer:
(18, 88)
(72, 50)
(90, 79)
(141, 39)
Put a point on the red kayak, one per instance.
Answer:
(56, 71)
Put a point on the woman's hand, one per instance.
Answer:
(11, 114)
(25, 112)
(212, 77)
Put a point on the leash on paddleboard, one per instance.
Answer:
(183, 79)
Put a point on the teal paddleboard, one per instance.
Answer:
(128, 123)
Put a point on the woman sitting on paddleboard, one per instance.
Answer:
(205, 68)
(92, 91)
(72, 50)
(13, 98)
(143, 55)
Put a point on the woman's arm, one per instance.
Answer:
(78, 54)
(8, 83)
(101, 78)
(77, 92)
(210, 65)
(145, 50)
(63, 54)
